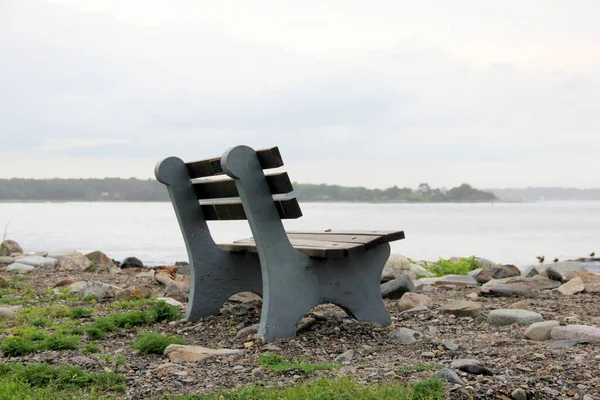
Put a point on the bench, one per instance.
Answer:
(292, 271)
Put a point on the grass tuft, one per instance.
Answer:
(274, 362)
(154, 343)
(444, 267)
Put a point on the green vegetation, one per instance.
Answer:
(33, 341)
(275, 362)
(154, 343)
(333, 389)
(45, 382)
(91, 348)
(77, 313)
(446, 267)
(115, 189)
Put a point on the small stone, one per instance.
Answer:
(448, 375)
(473, 296)
(540, 330)
(519, 394)
(573, 286)
(179, 352)
(396, 288)
(171, 301)
(474, 369)
(245, 297)
(521, 305)
(412, 300)
(413, 311)
(498, 272)
(245, 332)
(345, 356)
(462, 308)
(427, 354)
(272, 347)
(405, 335)
(450, 346)
(305, 323)
(101, 290)
(462, 362)
(512, 316)
(585, 332)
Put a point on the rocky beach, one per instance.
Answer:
(494, 333)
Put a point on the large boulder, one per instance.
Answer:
(5, 260)
(564, 271)
(132, 262)
(74, 262)
(497, 272)
(396, 266)
(101, 262)
(9, 247)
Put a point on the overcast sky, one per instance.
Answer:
(371, 93)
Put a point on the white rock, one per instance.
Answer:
(179, 352)
(540, 330)
(512, 316)
(573, 286)
(586, 332)
(170, 301)
(101, 290)
(38, 261)
(20, 268)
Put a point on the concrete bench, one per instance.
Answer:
(292, 271)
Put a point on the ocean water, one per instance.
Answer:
(503, 232)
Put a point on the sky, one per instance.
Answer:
(378, 93)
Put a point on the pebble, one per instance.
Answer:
(427, 354)
(449, 376)
(512, 316)
(540, 330)
(405, 335)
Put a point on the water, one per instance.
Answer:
(508, 233)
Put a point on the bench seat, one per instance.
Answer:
(325, 244)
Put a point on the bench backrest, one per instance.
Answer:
(219, 198)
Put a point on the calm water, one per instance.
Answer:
(510, 233)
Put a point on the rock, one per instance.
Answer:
(395, 288)
(508, 288)
(475, 272)
(74, 262)
(428, 354)
(521, 305)
(272, 347)
(563, 271)
(78, 287)
(39, 262)
(450, 346)
(396, 266)
(7, 313)
(429, 281)
(3, 282)
(418, 284)
(5, 260)
(512, 316)
(573, 286)
(474, 369)
(519, 394)
(132, 262)
(485, 263)
(101, 262)
(463, 362)
(306, 323)
(64, 282)
(473, 296)
(247, 331)
(405, 335)
(412, 311)
(498, 272)
(20, 268)
(61, 253)
(534, 270)
(134, 292)
(578, 332)
(593, 288)
(171, 301)
(83, 361)
(177, 291)
(559, 344)
(9, 247)
(544, 283)
(462, 308)
(456, 280)
(184, 267)
(101, 290)
(420, 271)
(540, 330)
(345, 356)
(448, 375)
(412, 300)
(180, 352)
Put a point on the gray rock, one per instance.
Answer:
(7, 313)
(405, 335)
(345, 356)
(8, 247)
(462, 362)
(78, 287)
(543, 283)
(247, 331)
(101, 262)
(450, 346)
(580, 332)
(171, 301)
(420, 271)
(418, 284)
(498, 272)
(475, 272)
(412, 311)
(462, 308)
(510, 287)
(101, 290)
(80, 360)
(562, 271)
(559, 344)
(540, 330)
(475, 369)
(272, 347)
(5, 260)
(448, 375)
(519, 394)
(74, 262)
(20, 268)
(429, 281)
(456, 280)
(412, 300)
(485, 263)
(395, 288)
(132, 262)
(513, 316)
(396, 266)
(534, 270)
(245, 297)
(39, 262)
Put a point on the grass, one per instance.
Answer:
(45, 382)
(444, 267)
(154, 343)
(91, 348)
(33, 341)
(274, 362)
(78, 313)
(333, 389)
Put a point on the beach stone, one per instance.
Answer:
(134, 292)
(396, 266)
(412, 311)
(345, 356)
(418, 284)
(563, 271)
(9, 247)
(510, 289)
(101, 262)
(573, 286)
(78, 287)
(592, 288)
(518, 394)
(475, 272)
(456, 280)
(61, 253)
(512, 316)
(395, 288)
(405, 335)
(485, 263)
(5, 260)
(448, 375)
(245, 297)
(101, 290)
(39, 262)
(463, 362)
(540, 330)
(534, 270)
(462, 308)
(180, 352)
(171, 301)
(521, 305)
(498, 272)
(132, 262)
(7, 313)
(74, 262)
(412, 300)
(429, 281)
(20, 268)
(247, 331)
(544, 283)
(577, 332)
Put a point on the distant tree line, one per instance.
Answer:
(118, 189)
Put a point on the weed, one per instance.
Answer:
(130, 304)
(275, 362)
(91, 348)
(165, 312)
(90, 299)
(60, 342)
(428, 389)
(446, 267)
(77, 313)
(15, 346)
(154, 343)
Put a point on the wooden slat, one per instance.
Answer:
(317, 252)
(348, 248)
(369, 238)
(278, 184)
(287, 207)
(268, 158)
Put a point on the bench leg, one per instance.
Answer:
(353, 284)
(214, 282)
